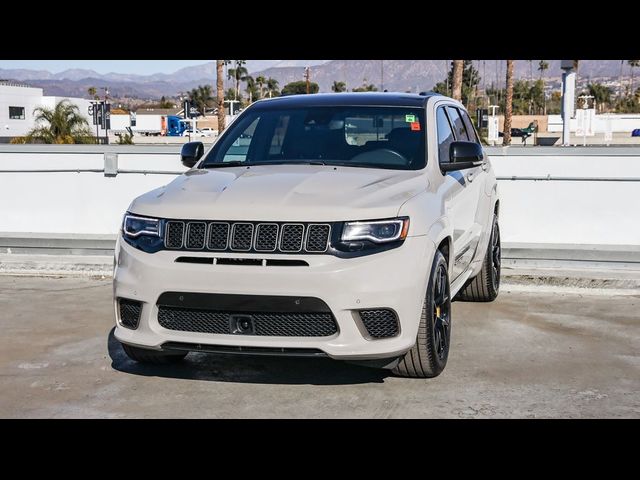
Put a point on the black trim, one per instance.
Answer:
(243, 303)
(238, 350)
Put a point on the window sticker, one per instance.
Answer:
(415, 126)
(409, 118)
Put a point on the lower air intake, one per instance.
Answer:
(129, 313)
(380, 323)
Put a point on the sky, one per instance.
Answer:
(138, 67)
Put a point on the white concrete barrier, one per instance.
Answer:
(549, 195)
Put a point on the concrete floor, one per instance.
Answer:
(527, 355)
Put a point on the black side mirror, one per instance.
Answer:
(463, 155)
(191, 152)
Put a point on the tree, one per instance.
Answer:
(60, 124)
(470, 79)
(237, 74)
(272, 87)
(338, 87)
(633, 64)
(508, 110)
(92, 93)
(542, 67)
(299, 87)
(201, 97)
(164, 103)
(222, 117)
(456, 84)
(601, 94)
(530, 70)
(260, 81)
(251, 89)
(365, 87)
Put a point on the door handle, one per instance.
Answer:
(485, 166)
(470, 177)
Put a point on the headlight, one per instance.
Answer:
(378, 231)
(134, 226)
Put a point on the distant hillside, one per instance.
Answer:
(398, 75)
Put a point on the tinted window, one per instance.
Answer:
(473, 135)
(458, 125)
(375, 137)
(445, 135)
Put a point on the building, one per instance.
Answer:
(17, 103)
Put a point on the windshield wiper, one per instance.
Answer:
(235, 163)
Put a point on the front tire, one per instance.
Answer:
(485, 286)
(144, 355)
(429, 355)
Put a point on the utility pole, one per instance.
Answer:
(382, 75)
(307, 76)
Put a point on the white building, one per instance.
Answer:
(17, 102)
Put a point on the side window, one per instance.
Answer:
(473, 135)
(237, 151)
(458, 124)
(445, 135)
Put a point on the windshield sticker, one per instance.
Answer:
(415, 126)
(409, 118)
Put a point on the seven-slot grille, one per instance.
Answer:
(247, 236)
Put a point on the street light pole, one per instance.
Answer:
(307, 75)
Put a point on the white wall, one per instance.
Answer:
(619, 123)
(532, 211)
(13, 96)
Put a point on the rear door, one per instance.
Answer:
(458, 196)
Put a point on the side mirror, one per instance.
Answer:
(191, 152)
(463, 155)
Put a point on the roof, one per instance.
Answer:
(158, 111)
(386, 99)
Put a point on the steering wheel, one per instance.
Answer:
(383, 156)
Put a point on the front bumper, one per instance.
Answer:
(395, 279)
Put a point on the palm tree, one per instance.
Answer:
(508, 109)
(272, 86)
(60, 124)
(222, 117)
(237, 74)
(633, 64)
(338, 87)
(530, 70)
(542, 66)
(251, 85)
(92, 93)
(601, 94)
(260, 81)
(201, 97)
(456, 81)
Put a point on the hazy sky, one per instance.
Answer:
(141, 67)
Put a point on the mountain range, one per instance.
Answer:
(394, 75)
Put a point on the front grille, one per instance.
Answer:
(129, 313)
(218, 236)
(380, 323)
(196, 233)
(174, 234)
(317, 238)
(291, 237)
(247, 236)
(316, 324)
(241, 236)
(266, 237)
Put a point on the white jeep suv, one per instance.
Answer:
(337, 225)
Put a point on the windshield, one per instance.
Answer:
(373, 137)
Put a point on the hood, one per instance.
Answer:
(315, 193)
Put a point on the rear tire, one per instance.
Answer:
(429, 355)
(144, 355)
(485, 286)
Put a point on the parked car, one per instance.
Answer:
(337, 225)
(198, 133)
(209, 132)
